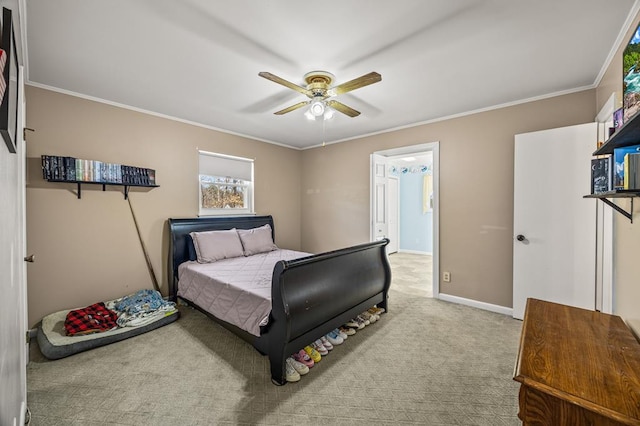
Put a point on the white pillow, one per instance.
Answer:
(216, 245)
(257, 240)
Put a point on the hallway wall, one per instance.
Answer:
(416, 226)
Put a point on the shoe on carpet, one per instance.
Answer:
(303, 357)
(348, 331)
(318, 346)
(363, 319)
(290, 373)
(340, 333)
(326, 343)
(355, 323)
(313, 353)
(369, 317)
(298, 366)
(334, 338)
(376, 311)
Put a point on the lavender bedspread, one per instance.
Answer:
(236, 290)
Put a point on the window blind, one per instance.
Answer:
(212, 164)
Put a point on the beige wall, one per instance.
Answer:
(476, 190)
(87, 250)
(626, 237)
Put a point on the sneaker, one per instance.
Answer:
(348, 331)
(341, 334)
(326, 343)
(313, 354)
(318, 346)
(363, 319)
(376, 311)
(298, 366)
(290, 373)
(301, 356)
(355, 323)
(369, 317)
(334, 338)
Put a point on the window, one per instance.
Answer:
(225, 184)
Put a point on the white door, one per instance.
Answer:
(393, 210)
(379, 211)
(554, 226)
(13, 304)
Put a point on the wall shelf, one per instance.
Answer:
(627, 135)
(61, 169)
(126, 186)
(618, 193)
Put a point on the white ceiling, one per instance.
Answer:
(198, 60)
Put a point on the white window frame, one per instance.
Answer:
(228, 163)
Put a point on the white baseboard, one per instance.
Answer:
(476, 304)
(426, 253)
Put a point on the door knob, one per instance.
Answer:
(520, 237)
(31, 258)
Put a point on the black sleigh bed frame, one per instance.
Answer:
(309, 296)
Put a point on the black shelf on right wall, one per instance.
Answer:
(617, 193)
(627, 135)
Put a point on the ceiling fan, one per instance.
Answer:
(319, 91)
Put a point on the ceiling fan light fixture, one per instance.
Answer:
(309, 115)
(317, 107)
(328, 114)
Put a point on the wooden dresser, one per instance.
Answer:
(577, 367)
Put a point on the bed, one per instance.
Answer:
(310, 296)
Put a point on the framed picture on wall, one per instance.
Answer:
(631, 76)
(9, 105)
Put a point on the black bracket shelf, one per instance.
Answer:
(618, 193)
(126, 186)
(627, 135)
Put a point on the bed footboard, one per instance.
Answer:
(313, 295)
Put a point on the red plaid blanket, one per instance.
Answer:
(92, 319)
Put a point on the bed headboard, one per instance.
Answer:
(181, 246)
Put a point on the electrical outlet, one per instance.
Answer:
(446, 276)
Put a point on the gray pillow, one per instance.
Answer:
(257, 240)
(216, 245)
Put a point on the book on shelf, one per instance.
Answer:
(46, 167)
(70, 169)
(618, 164)
(632, 171)
(601, 175)
(151, 173)
(618, 119)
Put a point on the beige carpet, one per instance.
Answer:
(427, 362)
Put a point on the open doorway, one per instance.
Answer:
(404, 208)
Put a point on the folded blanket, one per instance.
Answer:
(92, 319)
(140, 307)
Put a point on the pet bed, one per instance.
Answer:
(55, 344)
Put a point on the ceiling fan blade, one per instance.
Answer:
(343, 108)
(285, 83)
(356, 83)
(292, 107)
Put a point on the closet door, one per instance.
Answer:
(379, 197)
